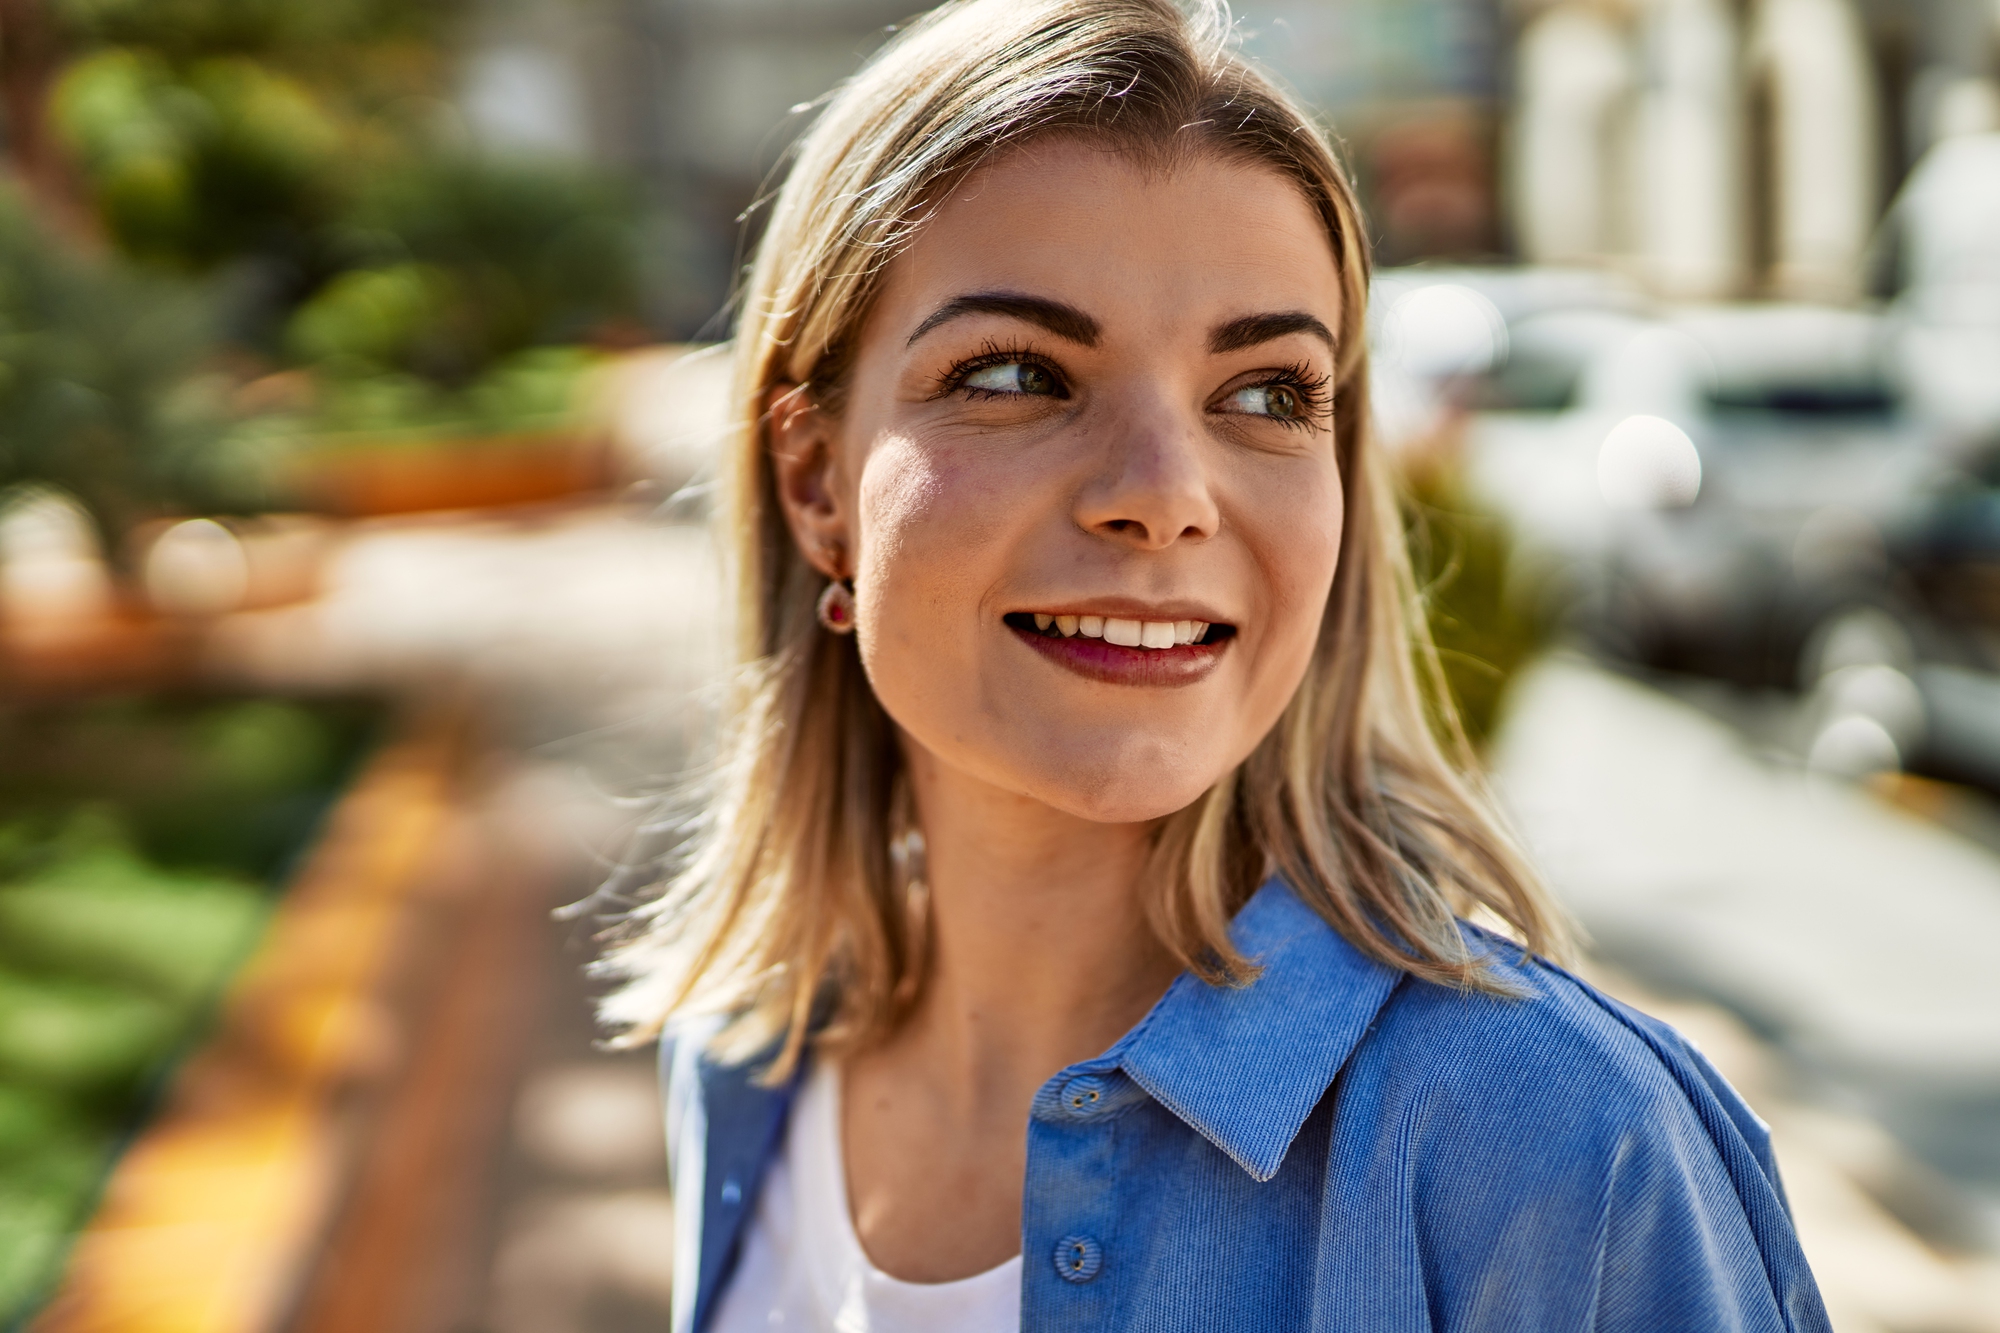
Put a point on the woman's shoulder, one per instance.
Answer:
(1552, 1060)
(1555, 1125)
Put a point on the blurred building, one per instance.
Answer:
(1412, 90)
(1710, 149)
(1716, 150)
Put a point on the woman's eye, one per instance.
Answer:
(1011, 377)
(1269, 400)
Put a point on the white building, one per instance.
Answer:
(1714, 150)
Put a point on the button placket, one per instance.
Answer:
(1070, 1215)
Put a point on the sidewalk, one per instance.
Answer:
(590, 638)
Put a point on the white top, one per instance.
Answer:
(803, 1267)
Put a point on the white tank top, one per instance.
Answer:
(803, 1268)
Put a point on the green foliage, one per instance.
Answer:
(138, 839)
(467, 278)
(372, 316)
(98, 912)
(226, 790)
(49, 1164)
(273, 171)
(532, 390)
(107, 966)
(264, 745)
(92, 361)
(1482, 617)
(211, 131)
(70, 1036)
(457, 264)
(196, 165)
(214, 131)
(188, 28)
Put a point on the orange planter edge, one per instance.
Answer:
(366, 479)
(211, 1219)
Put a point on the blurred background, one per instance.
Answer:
(358, 393)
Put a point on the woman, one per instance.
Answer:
(1080, 916)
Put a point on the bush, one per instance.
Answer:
(94, 361)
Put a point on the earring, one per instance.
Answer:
(836, 607)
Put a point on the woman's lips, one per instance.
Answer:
(1112, 664)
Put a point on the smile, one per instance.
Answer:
(1120, 651)
(1148, 634)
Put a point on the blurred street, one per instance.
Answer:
(591, 637)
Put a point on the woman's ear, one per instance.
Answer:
(803, 464)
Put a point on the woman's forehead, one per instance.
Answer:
(1120, 235)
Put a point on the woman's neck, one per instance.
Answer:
(1042, 953)
(1042, 957)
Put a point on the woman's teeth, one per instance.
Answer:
(1126, 633)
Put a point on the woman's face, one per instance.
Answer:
(1089, 414)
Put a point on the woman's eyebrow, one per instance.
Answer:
(1065, 321)
(1253, 329)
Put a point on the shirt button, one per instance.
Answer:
(1083, 1094)
(1078, 1258)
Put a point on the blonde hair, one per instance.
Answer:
(789, 911)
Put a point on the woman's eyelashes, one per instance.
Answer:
(1003, 373)
(1293, 396)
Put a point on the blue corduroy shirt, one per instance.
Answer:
(1339, 1146)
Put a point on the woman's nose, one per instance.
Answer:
(1150, 485)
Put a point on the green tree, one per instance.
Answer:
(95, 362)
(207, 131)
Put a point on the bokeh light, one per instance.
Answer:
(1648, 462)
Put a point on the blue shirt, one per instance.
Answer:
(1339, 1146)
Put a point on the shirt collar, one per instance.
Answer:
(1244, 1066)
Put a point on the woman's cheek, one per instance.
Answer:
(922, 534)
(927, 513)
(1297, 530)
(900, 495)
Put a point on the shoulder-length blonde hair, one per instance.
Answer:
(788, 911)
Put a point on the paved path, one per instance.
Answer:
(1859, 934)
(593, 637)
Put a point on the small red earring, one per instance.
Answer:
(836, 607)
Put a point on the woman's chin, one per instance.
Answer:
(1124, 798)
